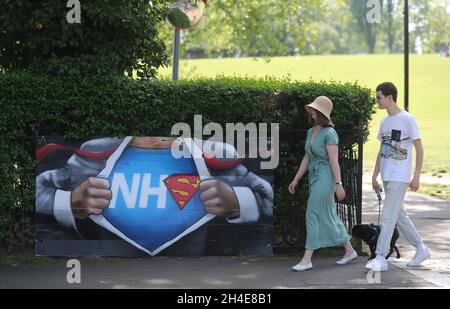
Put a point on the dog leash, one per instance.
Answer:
(379, 205)
(379, 214)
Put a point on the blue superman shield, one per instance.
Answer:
(145, 210)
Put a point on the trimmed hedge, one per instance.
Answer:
(117, 106)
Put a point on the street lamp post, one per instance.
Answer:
(176, 54)
(406, 51)
(183, 15)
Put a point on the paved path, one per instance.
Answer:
(431, 216)
(208, 272)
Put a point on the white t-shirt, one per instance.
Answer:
(396, 135)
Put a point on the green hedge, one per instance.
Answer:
(114, 106)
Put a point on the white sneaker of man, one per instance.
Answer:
(369, 264)
(422, 254)
(378, 264)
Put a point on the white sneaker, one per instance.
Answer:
(302, 267)
(346, 260)
(369, 264)
(378, 265)
(422, 254)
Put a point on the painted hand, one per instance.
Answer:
(91, 197)
(219, 198)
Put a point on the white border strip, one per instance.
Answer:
(195, 151)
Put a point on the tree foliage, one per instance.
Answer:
(279, 28)
(112, 36)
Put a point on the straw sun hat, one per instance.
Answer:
(323, 105)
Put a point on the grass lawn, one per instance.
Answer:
(429, 94)
(437, 190)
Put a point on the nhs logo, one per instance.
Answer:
(129, 194)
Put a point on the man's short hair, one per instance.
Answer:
(388, 89)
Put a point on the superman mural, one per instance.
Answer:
(133, 197)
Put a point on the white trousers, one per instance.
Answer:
(394, 213)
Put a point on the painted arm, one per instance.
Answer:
(73, 191)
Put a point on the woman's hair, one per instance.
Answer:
(321, 120)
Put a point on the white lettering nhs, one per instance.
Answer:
(130, 195)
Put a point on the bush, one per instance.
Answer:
(113, 36)
(116, 106)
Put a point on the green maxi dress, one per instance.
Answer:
(324, 227)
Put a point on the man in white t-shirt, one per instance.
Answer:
(398, 134)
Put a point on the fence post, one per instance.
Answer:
(358, 242)
(360, 170)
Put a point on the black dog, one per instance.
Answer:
(369, 234)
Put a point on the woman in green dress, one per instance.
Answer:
(324, 227)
